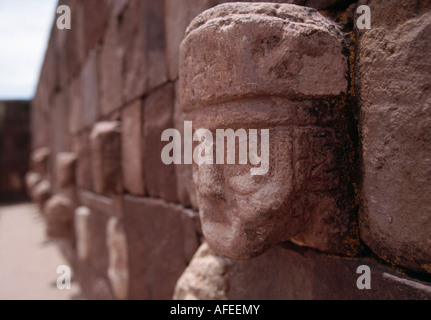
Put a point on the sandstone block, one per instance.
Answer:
(156, 231)
(159, 178)
(111, 69)
(144, 42)
(132, 145)
(105, 142)
(393, 76)
(81, 146)
(95, 19)
(90, 89)
(75, 110)
(96, 201)
(302, 274)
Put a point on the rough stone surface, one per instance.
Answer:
(111, 69)
(297, 274)
(95, 20)
(65, 169)
(132, 147)
(90, 89)
(142, 33)
(118, 271)
(59, 217)
(205, 278)
(394, 64)
(81, 146)
(289, 52)
(105, 141)
(75, 109)
(262, 41)
(156, 230)
(159, 178)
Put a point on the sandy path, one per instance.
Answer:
(28, 262)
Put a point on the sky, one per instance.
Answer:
(25, 26)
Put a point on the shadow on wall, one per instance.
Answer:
(14, 149)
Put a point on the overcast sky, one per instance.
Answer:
(24, 32)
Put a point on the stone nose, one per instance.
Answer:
(210, 181)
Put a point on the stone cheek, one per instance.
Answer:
(282, 64)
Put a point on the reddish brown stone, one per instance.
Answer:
(157, 231)
(142, 33)
(303, 274)
(111, 69)
(159, 178)
(105, 142)
(75, 111)
(132, 145)
(81, 146)
(95, 21)
(90, 89)
(394, 63)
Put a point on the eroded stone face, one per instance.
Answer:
(65, 169)
(268, 66)
(59, 217)
(118, 271)
(105, 142)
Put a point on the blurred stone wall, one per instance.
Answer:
(14, 149)
(129, 224)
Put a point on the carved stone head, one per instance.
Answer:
(274, 68)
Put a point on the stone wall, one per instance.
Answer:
(353, 105)
(14, 149)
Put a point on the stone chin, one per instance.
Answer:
(236, 238)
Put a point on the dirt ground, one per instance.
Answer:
(28, 260)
